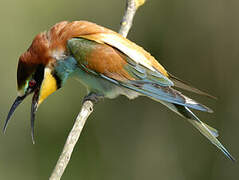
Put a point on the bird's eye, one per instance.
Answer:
(32, 83)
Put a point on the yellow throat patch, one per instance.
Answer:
(48, 86)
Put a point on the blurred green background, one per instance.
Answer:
(131, 140)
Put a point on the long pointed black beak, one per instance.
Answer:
(34, 107)
(16, 103)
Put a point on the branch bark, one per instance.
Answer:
(87, 107)
(130, 10)
(86, 110)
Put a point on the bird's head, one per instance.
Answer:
(47, 64)
(39, 79)
(35, 75)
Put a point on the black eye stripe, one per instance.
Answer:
(24, 71)
(39, 74)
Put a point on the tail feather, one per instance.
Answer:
(213, 130)
(178, 103)
(210, 133)
(183, 85)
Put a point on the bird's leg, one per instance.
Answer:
(93, 97)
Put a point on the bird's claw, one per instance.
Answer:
(93, 97)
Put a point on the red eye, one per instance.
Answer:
(32, 83)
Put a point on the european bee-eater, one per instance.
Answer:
(108, 65)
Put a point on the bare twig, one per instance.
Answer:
(87, 107)
(86, 110)
(127, 21)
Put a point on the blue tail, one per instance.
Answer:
(210, 133)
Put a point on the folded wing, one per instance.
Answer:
(146, 76)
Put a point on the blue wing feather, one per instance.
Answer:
(160, 93)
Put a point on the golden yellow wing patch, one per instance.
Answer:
(135, 52)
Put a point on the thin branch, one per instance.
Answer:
(87, 107)
(86, 110)
(127, 21)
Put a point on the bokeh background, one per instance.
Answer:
(132, 140)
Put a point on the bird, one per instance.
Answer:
(108, 65)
